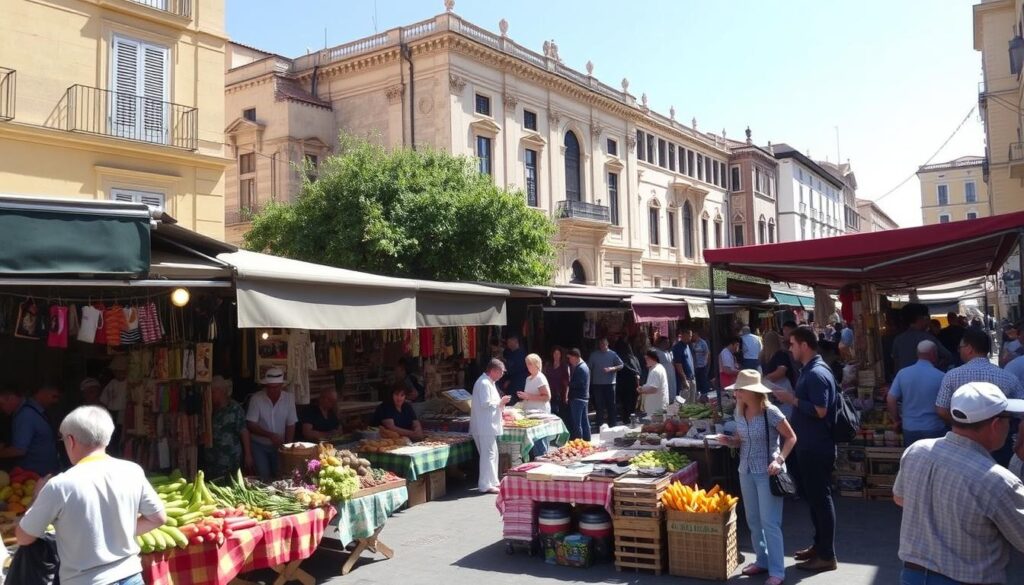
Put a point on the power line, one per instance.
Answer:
(935, 154)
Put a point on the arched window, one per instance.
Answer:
(573, 184)
(771, 231)
(687, 230)
(762, 231)
(579, 276)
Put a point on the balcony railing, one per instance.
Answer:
(182, 8)
(241, 214)
(1016, 157)
(8, 83)
(569, 209)
(109, 113)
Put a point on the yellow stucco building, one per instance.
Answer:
(116, 99)
(953, 191)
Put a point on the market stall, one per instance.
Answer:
(361, 520)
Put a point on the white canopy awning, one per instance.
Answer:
(280, 292)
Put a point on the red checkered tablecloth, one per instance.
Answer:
(597, 493)
(268, 544)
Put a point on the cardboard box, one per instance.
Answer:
(437, 485)
(417, 492)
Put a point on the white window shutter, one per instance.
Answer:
(153, 199)
(154, 92)
(125, 84)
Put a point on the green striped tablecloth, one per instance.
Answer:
(361, 517)
(552, 429)
(412, 465)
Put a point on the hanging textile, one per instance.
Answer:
(113, 323)
(73, 322)
(131, 335)
(414, 343)
(300, 355)
(58, 335)
(92, 321)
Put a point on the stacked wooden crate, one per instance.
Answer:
(639, 523)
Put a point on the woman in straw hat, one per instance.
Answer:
(759, 427)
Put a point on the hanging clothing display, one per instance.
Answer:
(300, 356)
(92, 321)
(58, 335)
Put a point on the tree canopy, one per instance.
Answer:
(418, 214)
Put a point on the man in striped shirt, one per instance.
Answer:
(961, 513)
(975, 347)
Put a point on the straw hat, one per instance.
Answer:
(273, 377)
(749, 380)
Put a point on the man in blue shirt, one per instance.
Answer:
(604, 365)
(514, 357)
(579, 396)
(682, 359)
(813, 414)
(33, 441)
(916, 387)
(701, 354)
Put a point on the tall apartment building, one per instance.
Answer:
(637, 195)
(953, 190)
(873, 218)
(116, 99)
(844, 172)
(811, 201)
(998, 29)
(753, 185)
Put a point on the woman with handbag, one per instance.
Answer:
(763, 479)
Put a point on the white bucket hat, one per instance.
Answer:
(273, 376)
(749, 380)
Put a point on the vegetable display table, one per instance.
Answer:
(553, 429)
(362, 519)
(280, 544)
(414, 461)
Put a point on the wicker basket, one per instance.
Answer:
(702, 545)
(289, 459)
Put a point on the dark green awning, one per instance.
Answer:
(793, 300)
(63, 237)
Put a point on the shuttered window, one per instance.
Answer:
(151, 198)
(139, 108)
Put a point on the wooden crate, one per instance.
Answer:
(437, 485)
(417, 492)
(879, 493)
(881, 481)
(640, 543)
(639, 497)
(702, 545)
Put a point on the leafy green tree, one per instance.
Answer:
(418, 214)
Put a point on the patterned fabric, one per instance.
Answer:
(289, 538)
(519, 521)
(361, 517)
(225, 455)
(113, 324)
(753, 450)
(552, 429)
(596, 493)
(130, 334)
(149, 323)
(1017, 467)
(961, 511)
(203, 563)
(420, 460)
(978, 370)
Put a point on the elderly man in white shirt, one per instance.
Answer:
(751, 348)
(485, 424)
(656, 391)
(271, 419)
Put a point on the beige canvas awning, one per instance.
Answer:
(280, 292)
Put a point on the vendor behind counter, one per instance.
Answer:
(397, 415)
(319, 421)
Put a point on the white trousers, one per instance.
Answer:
(487, 445)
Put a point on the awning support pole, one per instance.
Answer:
(713, 358)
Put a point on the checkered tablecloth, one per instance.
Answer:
(269, 543)
(361, 517)
(412, 465)
(596, 493)
(202, 563)
(552, 429)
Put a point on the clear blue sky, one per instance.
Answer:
(896, 77)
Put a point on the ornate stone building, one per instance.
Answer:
(637, 195)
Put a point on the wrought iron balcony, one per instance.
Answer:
(182, 8)
(241, 214)
(122, 115)
(8, 83)
(581, 210)
(1016, 158)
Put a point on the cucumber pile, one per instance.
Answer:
(185, 503)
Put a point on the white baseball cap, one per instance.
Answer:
(977, 401)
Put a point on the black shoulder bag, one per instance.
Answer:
(782, 485)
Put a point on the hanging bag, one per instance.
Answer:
(781, 485)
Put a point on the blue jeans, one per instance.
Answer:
(910, 577)
(764, 517)
(911, 437)
(265, 459)
(604, 401)
(703, 386)
(580, 427)
(135, 579)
